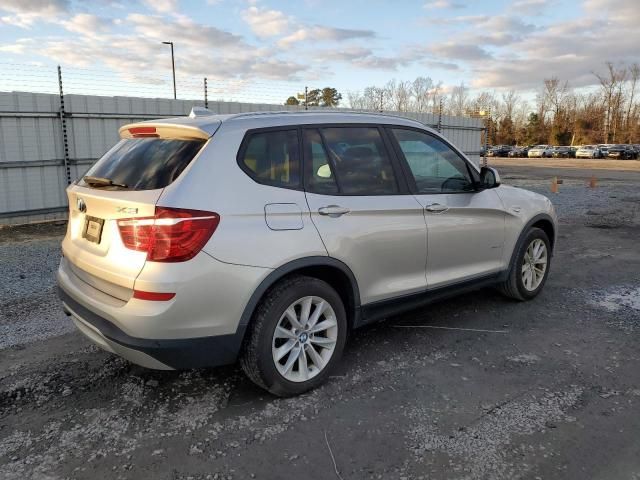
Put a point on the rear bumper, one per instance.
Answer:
(161, 354)
(202, 326)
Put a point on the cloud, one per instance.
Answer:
(443, 4)
(442, 65)
(20, 47)
(459, 51)
(327, 34)
(87, 24)
(24, 13)
(274, 23)
(529, 7)
(182, 31)
(43, 7)
(264, 22)
(570, 49)
(162, 6)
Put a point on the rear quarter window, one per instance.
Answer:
(145, 163)
(272, 158)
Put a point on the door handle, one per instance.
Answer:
(333, 210)
(436, 208)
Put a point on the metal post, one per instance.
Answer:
(306, 91)
(63, 120)
(173, 69)
(487, 130)
(440, 117)
(206, 100)
(381, 100)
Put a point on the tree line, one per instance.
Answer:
(558, 114)
(325, 97)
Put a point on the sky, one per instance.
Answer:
(271, 47)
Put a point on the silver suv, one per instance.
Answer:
(268, 237)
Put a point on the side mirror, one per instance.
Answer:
(489, 178)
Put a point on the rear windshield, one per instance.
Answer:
(144, 163)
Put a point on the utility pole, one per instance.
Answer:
(173, 69)
(206, 100)
(63, 120)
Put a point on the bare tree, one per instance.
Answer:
(559, 115)
(510, 101)
(398, 95)
(458, 100)
(634, 76)
(422, 88)
(611, 87)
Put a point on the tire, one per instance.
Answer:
(262, 345)
(515, 286)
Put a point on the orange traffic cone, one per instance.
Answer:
(554, 185)
(593, 183)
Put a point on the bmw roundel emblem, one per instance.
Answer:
(81, 205)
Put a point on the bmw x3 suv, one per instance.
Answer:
(267, 237)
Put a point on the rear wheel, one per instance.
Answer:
(297, 335)
(530, 268)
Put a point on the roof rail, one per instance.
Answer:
(326, 112)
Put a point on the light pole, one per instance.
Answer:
(173, 68)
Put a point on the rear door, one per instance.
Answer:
(465, 227)
(362, 210)
(125, 183)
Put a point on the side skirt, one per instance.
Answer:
(379, 310)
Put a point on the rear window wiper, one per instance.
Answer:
(102, 182)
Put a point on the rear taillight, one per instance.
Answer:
(171, 235)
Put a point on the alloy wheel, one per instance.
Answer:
(304, 339)
(534, 264)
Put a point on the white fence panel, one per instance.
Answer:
(33, 177)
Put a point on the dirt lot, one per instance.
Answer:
(545, 389)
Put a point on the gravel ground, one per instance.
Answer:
(499, 390)
(29, 308)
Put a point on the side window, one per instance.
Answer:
(436, 168)
(273, 158)
(319, 176)
(362, 165)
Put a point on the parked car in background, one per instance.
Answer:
(622, 152)
(589, 151)
(518, 152)
(540, 151)
(604, 150)
(313, 224)
(564, 152)
(500, 151)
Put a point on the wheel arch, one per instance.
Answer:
(542, 221)
(334, 272)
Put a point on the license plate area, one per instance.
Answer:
(93, 229)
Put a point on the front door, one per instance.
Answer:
(364, 216)
(465, 226)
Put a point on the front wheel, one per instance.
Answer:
(530, 268)
(297, 335)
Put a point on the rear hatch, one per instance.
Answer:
(125, 183)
